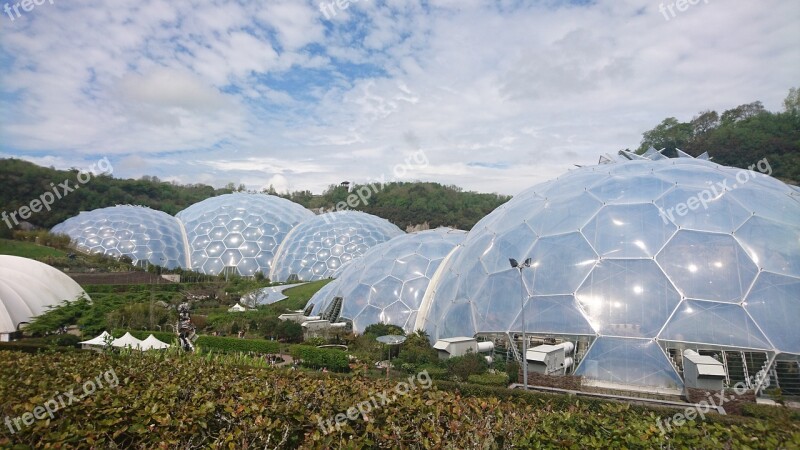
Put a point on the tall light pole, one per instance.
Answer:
(518, 266)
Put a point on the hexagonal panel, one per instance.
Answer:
(708, 266)
(638, 362)
(554, 314)
(559, 264)
(774, 304)
(621, 189)
(627, 298)
(628, 231)
(701, 209)
(714, 323)
(773, 246)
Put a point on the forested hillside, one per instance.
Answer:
(22, 181)
(738, 137)
(407, 204)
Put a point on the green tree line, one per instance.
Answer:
(738, 137)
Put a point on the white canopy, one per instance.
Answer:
(152, 343)
(127, 341)
(99, 340)
(237, 308)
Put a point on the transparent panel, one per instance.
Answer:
(714, 323)
(558, 314)
(701, 209)
(369, 316)
(559, 264)
(708, 266)
(767, 203)
(628, 231)
(773, 246)
(396, 313)
(629, 361)
(627, 298)
(774, 304)
(696, 177)
(499, 301)
(620, 189)
(561, 216)
(457, 321)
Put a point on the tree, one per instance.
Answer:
(669, 134)
(791, 104)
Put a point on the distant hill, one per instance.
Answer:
(22, 181)
(404, 204)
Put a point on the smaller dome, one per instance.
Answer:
(138, 232)
(316, 248)
(239, 230)
(28, 288)
(388, 283)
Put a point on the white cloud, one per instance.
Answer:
(500, 95)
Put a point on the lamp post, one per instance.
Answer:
(518, 266)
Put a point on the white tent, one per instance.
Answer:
(99, 341)
(127, 341)
(237, 308)
(152, 343)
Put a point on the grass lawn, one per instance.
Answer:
(27, 249)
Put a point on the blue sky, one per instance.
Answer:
(499, 95)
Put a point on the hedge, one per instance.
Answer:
(228, 344)
(490, 379)
(316, 358)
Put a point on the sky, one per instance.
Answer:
(491, 96)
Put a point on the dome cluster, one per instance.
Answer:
(234, 233)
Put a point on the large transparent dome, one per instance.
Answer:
(388, 283)
(239, 230)
(319, 246)
(140, 233)
(633, 261)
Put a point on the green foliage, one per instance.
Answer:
(231, 344)
(184, 401)
(383, 329)
(22, 181)
(739, 137)
(417, 351)
(67, 313)
(489, 379)
(462, 367)
(408, 204)
(316, 358)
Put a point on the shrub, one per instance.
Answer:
(490, 379)
(226, 344)
(462, 367)
(316, 358)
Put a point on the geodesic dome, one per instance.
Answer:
(319, 246)
(634, 261)
(28, 288)
(138, 232)
(388, 283)
(238, 230)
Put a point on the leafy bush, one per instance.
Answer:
(462, 367)
(316, 358)
(188, 402)
(226, 344)
(490, 379)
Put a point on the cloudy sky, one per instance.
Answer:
(498, 95)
